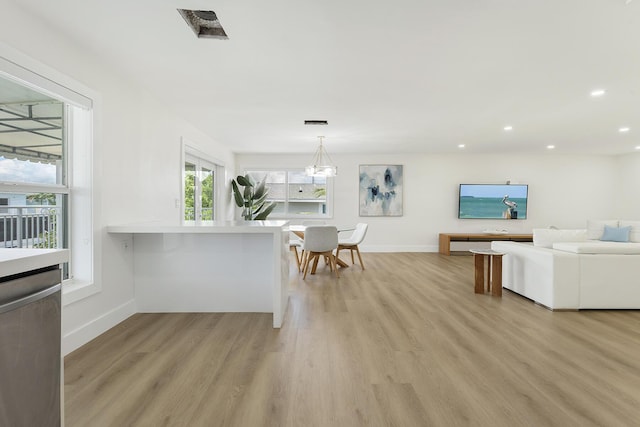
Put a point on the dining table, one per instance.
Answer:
(298, 230)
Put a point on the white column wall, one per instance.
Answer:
(564, 191)
(137, 170)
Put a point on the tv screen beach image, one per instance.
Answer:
(492, 201)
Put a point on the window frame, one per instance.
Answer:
(274, 215)
(61, 189)
(80, 139)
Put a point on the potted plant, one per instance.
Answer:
(252, 199)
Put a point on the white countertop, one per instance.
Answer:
(210, 227)
(15, 261)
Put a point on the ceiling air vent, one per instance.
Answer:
(204, 23)
(316, 122)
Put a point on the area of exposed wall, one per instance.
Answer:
(137, 168)
(564, 191)
(628, 187)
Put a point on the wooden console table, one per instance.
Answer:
(447, 238)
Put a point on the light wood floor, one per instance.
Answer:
(404, 343)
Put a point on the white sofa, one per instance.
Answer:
(571, 275)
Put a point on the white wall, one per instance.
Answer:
(628, 191)
(563, 191)
(136, 163)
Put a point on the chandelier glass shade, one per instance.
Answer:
(321, 164)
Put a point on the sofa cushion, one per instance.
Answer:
(634, 236)
(595, 227)
(598, 247)
(546, 237)
(616, 234)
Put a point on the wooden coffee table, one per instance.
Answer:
(494, 271)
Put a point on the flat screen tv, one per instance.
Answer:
(493, 201)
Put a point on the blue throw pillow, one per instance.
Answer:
(616, 234)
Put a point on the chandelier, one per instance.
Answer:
(321, 164)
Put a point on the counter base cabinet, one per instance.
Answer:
(30, 350)
(184, 272)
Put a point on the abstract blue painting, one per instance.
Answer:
(381, 190)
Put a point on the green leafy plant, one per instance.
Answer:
(252, 199)
(320, 192)
(42, 198)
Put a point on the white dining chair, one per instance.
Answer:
(319, 241)
(351, 243)
(304, 225)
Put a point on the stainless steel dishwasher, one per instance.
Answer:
(30, 349)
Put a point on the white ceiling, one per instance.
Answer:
(389, 76)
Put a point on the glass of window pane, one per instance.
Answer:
(307, 194)
(32, 220)
(275, 183)
(189, 191)
(32, 150)
(206, 198)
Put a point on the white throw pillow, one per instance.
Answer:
(634, 236)
(595, 227)
(546, 237)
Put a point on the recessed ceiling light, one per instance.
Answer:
(460, 145)
(637, 147)
(624, 129)
(550, 147)
(597, 92)
(508, 128)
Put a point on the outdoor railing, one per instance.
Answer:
(30, 227)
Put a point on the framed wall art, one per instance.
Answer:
(381, 188)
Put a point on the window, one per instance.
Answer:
(33, 169)
(296, 194)
(199, 187)
(46, 179)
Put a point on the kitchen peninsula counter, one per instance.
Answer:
(21, 260)
(223, 266)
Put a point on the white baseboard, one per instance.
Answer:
(399, 248)
(85, 333)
